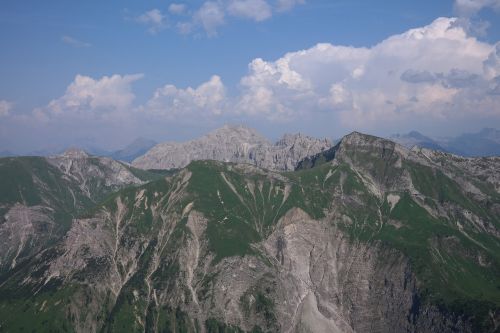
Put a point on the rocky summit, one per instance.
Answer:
(238, 144)
(365, 236)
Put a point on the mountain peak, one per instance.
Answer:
(361, 138)
(75, 153)
(490, 134)
(416, 135)
(233, 127)
(351, 146)
(237, 144)
(234, 133)
(237, 128)
(416, 139)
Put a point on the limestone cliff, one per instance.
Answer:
(236, 144)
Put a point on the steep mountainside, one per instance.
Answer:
(367, 237)
(236, 144)
(40, 196)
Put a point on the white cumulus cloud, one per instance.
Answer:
(467, 12)
(207, 99)
(210, 16)
(177, 8)
(288, 4)
(5, 108)
(258, 10)
(154, 19)
(469, 8)
(437, 72)
(87, 97)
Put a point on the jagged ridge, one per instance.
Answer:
(236, 144)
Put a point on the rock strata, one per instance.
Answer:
(237, 144)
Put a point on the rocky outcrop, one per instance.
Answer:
(237, 144)
(94, 174)
(41, 195)
(23, 232)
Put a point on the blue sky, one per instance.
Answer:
(103, 73)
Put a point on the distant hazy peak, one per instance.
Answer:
(489, 130)
(412, 134)
(239, 132)
(490, 134)
(141, 141)
(75, 153)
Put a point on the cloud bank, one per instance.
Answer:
(436, 74)
(88, 98)
(437, 71)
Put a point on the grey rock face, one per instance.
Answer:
(92, 173)
(324, 282)
(236, 144)
(59, 188)
(23, 230)
(481, 167)
(327, 283)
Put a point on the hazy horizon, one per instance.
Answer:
(93, 148)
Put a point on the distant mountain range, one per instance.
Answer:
(415, 138)
(483, 143)
(136, 148)
(237, 144)
(250, 146)
(7, 153)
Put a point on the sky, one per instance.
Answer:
(102, 73)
